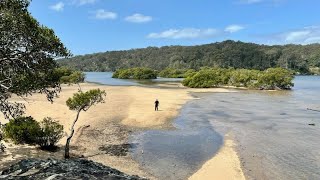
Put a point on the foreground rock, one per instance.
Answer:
(62, 169)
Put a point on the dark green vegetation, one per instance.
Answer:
(27, 53)
(26, 130)
(270, 79)
(227, 54)
(82, 101)
(176, 73)
(135, 73)
(69, 76)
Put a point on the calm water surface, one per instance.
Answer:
(106, 78)
(271, 129)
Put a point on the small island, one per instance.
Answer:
(207, 77)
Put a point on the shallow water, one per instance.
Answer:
(271, 129)
(106, 79)
(177, 154)
(275, 140)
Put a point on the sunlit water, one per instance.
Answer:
(275, 140)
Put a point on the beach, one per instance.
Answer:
(102, 132)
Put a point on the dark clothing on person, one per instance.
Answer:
(156, 105)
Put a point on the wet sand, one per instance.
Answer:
(102, 132)
(224, 165)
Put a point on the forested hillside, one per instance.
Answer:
(222, 54)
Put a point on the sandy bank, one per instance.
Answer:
(225, 165)
(102, 132)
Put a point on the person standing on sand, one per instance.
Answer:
(156, 105)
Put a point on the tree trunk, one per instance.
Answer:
(66, 152)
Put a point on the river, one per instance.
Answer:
(271, 129)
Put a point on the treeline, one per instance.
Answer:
(135, 73)
(206, 77)
(270, 79)
(226, 54)
(148, 73)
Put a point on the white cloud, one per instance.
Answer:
(138, 18)
(187, 33)
(252, 1)
(103, 14)
(233, 28)
(57, 7)
(306, 35)
(84, 2)
(249, 1)
(274, 2)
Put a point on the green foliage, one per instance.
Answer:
(22, 130)
(244, 78)
(135, 73)
(27, 130)
(226, 54)
(68, 76)
(272, 78)
(50, 133)
(28, 50)
(176, 73)
(276, 78)
(84, 100)
(206, 78)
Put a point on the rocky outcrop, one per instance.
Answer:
(62, 169)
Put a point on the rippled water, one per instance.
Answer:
(271, 128)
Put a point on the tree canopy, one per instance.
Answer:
(82, 101)
(270, 79)
(27, 53)
(135, 73)
(226, 54)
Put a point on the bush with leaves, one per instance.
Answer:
(272, 78)
(176, 73)
(207, 78)
(135, 73)
(26, 130)
(69, 76)
(276, 78)
(244, 78)
(22, 130)
(50, 133)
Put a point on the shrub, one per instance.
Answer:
(135, 73)
(175, 73)
(50, 133)
(244, 78)
(22, 130)
(205, 78)
(27, 130)
(68, 76)
(273, 78)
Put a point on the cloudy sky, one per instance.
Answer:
(88, 26)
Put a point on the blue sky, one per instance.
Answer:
(89, 26)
